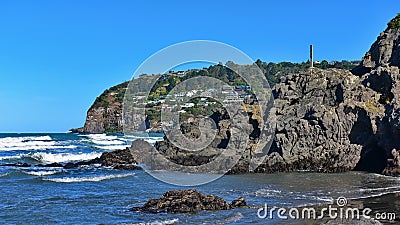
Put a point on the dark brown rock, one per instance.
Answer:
(239, 202)
(70, 165)
(119, 159)
(183, 201)
(393, 166)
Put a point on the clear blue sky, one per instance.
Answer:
(57, 56)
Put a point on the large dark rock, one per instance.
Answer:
(393, 165)
(384, 52)
(119, 159)
(183, 201)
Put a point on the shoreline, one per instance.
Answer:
(388, 205)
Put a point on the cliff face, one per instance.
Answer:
(325, 122)
(333, 120)
(379, 71)
(105, 113)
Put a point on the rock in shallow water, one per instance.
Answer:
(239, 202)
(187, 201)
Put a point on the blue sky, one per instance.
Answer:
(57, 56)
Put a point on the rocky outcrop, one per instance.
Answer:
(322, 121)
(379, 70)
(187, 201)
(393, 166)
(119, 159)
(384, 52)
(336, 121)
(105, 115)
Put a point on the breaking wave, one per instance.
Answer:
(30, 143)
(87, 179)
(63, 157)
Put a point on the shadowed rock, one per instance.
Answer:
(184, 201)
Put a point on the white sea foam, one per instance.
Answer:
(42, 173)
(157, 222)
(87, 179)
(112, 147)
(108, 142)
(231, 219)
(3, 175)
(10, 157)
(267, 192)
(63, 157)
(99, 136)
(29, 143)
(112, 142)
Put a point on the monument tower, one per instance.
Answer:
(311, 56)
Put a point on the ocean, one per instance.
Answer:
(102, 195)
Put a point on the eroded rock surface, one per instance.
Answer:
(187, 201)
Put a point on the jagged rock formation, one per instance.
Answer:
(105, 115)
(119, 159)
(187, 201)
(324, 123)
(379, 71)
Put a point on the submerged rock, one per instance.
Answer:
(239, 202)
(119, 159)
(186, 201)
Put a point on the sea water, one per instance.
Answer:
(102, 195)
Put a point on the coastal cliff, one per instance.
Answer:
(105, 115)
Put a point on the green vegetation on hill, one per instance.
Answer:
(272, 71)
(106, 98)
(395, 22)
